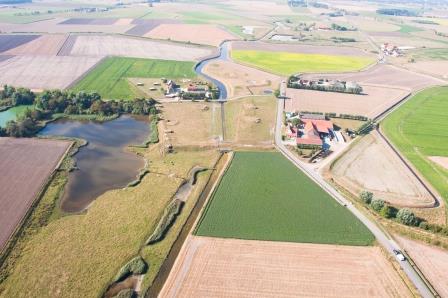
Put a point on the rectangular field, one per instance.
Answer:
(285, 63)
(44, 72)
(25, 165)
(213, 267)
(109, 78)
(44, 45)
(419, 129)
(263, 196)
(375, 101)
(8, 42)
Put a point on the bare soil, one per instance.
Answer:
(440, 160)
(371, 165)
(375, 100)
(133, 47)
(8, 42)
(194, 33)
(213, 267)
(435, 68)
(25, 165)
(44, 45)
(241, 80)
(44, 72)
(432, 261)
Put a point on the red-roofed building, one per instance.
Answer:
(312, 132)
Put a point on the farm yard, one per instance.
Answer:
(25, 166)
(85, 251)
(44, 72)
(44, 45)
(372, 165)
(91, 45)
(250, 121)
(241, 80)
(193, 33)
(419, 130)
(374, 100)
(110, 77)
(285, 63)
(213, 267)
(265, 205)
(433, 262)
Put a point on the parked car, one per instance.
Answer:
(399, 255)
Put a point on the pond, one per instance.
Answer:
(12, 114)
(104, 164)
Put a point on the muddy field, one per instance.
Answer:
(371, 165)
(296, 48)
(241, 80)
(44, 45)
(44, 72)
(213, 267)
(386, 75)
(194, 33)
(90, 45)
(8, 42)
(432, 261)
(25, 165)
(376, 100)
(191, 123)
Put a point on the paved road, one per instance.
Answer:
(381, 236)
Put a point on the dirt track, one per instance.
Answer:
(25, 164)
(213, 267)
(433, 262)
(376, 100)
(44, 72)
(371, 165)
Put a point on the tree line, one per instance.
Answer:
(51, 102)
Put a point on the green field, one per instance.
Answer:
(110, 77)
(263, 196)
(283, 63)
(419, 128)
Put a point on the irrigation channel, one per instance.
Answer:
(103, 164)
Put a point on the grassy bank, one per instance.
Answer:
(264, 197)
(78, 255)
(419, 129)
(284, 63)
(110, 77)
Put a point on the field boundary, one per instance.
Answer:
(81, 77)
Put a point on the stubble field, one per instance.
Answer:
(213, 267)
(25, 165)
(276, 201)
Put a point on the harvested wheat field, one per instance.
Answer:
(434, 68)
(194, 33)
(296, 48)
(25, 165)
(241, 80)
(191, 123)
(133, 47)
(376, 100)
(372, 165)
(213, 267)
(44, 45)
(440, 160)
(386, 75)
(44, 72)
(432, 261)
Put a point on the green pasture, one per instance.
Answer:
(419, 129)
(263, 196)
(110, 77)
(284, 63)
(431, 54)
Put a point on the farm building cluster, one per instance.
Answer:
(191, 91)
(392, 50)
(297, 82)
(311, 131)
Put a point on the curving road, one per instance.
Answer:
(381, 236)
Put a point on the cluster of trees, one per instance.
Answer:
(343, 39)
(324, 85)
(11, 97)
(397, 12)
(341, 28)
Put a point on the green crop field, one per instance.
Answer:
(263, 196)
(110, 77)
(283, 63)
(419, 129)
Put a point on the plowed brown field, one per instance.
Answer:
(44, 45)
(213, 267)
(25, 165)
